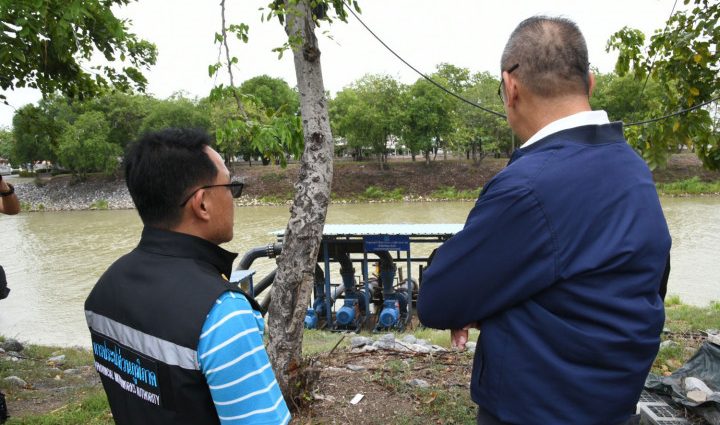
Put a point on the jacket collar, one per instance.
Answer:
(174, 244)
(587, 134)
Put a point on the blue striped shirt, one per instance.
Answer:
(233, 359)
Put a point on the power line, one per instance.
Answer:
(682, 111)
(438, 85)
(435, 83)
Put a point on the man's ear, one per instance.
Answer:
(511, 89)
(197, 204)
(591, 81)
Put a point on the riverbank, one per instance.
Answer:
(402, 180)
(53, 385)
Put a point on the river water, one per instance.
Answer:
(52, 259)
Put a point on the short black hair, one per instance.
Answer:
(551, 54)
(162, 167)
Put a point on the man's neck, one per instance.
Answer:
(541, 112)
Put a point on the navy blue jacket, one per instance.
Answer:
(560, 261)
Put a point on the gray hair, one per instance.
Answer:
(551, 54)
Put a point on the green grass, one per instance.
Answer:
(691, 186)
(672, 300)
(316, 341)
(93, 409)
(100, 204)
(682, 319)
(273, 177)
(378, 194)
(450, 193)
(86, 402)
(687, 318)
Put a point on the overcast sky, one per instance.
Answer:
(466, 33)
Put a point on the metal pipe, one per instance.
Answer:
(265, 282)
(265, 303)
(270, 251)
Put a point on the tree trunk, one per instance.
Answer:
(296, 265)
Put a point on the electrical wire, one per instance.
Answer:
(435, 83)
(438, 85)
(680, 112)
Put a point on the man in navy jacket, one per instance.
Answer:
(561, 259)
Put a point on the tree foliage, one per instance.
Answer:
(426, 117)
(477, 132)
(273, 93)
(84, 146)
(685, 62)
(367, 113)
(45, 44)
(7, 145)
(177, 111)
(36, 133)
(258, 119)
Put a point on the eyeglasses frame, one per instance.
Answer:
(502, 81)
(231, 186)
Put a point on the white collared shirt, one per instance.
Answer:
(576, 120)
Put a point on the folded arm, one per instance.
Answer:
(503, 256)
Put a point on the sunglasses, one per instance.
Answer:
(234, 187)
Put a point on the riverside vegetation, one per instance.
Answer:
(399, 180)
(55, 385)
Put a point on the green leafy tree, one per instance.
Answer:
(368, 113)
(627, 98)
(124, 114)
(477, 132)
(36, 134)
(7, 145)
(342, 111)
(84, 146)
(254, 131)
(273, 93)
(685, 61)
(426, 117)
(45, 43)
(176, 111)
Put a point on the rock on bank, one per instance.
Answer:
(67, 195)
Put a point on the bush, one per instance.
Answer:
(100, 204)
(376, 193)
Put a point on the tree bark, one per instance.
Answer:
(296, 266)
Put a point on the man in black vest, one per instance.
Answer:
(149, 314)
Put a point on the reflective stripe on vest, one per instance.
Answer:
(157, 348)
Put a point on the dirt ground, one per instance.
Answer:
(389, 387)
(384, 378)
(392, 385)
(49, 386)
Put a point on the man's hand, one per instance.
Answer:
(459, 337)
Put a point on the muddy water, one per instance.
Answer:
(52, 259)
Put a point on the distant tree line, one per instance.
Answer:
(371, 118)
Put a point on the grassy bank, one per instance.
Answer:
(69, 392)
(691, 186)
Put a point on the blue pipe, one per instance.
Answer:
(345, 316)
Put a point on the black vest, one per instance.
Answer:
(145, 316)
